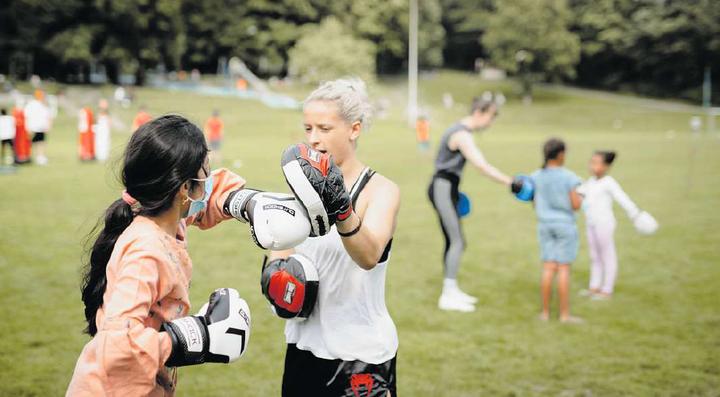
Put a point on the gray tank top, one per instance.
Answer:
(450, 161)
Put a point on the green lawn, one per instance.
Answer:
(660, 335)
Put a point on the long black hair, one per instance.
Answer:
(161, 155)
(552, 149)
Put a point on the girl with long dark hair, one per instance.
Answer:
(135, 288)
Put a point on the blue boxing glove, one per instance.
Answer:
(523, 188)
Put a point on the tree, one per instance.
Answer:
(660, 48)
(26, 25)
(314, 58)
(140, 35)
(464, 22)
(385, 23)
(531, 38)
(73, 46)
(260, 32)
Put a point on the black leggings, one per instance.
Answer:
(443, 194)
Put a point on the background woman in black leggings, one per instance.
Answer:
(456, 147)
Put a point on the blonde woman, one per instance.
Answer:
(348, 344)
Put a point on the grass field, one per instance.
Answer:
(660, 335)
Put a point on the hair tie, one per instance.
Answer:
(128, 199)
(131, 201)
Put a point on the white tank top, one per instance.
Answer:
(350, 320)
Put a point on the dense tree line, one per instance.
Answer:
(656, 47)
(660, 47)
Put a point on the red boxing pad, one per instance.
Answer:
(286, 291)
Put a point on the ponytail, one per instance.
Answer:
(117, 218)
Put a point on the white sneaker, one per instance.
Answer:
(601, 297)
(452, 302)
(455, 291)
(42, 160)
(467, 298)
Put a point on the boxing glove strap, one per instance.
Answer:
(236, 204)
(344, 215)
(189, 341)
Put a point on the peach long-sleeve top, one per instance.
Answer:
(148, 276)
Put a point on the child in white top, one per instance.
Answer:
(7, 135)
(600, 190)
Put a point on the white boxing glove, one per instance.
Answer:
(219, 333)
(645, 224)
(277, 220)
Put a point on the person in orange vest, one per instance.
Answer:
(86, 145)
(422, 132)
(214, 135)
(141, 118)
(22, 140)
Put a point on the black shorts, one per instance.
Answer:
(38, 137)
(7, 142)
(307, 375)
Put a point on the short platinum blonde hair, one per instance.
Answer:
(350, 96)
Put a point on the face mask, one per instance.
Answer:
(199, 205)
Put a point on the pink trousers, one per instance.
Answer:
(603, 269)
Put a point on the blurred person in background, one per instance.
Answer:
(38, 121)
(600, 191)
(141, 118)
(457, 146)
(7, 137)
(22, 145)
(555, 200)
(214, 131)
(86, 138)
(422, 133)
(102, 131)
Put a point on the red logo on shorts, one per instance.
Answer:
(358, 380)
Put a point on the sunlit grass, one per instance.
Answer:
(660, 335)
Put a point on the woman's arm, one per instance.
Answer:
(224, 183)
(377, 224)
(464, 142)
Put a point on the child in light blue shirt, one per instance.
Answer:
(555, 201)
